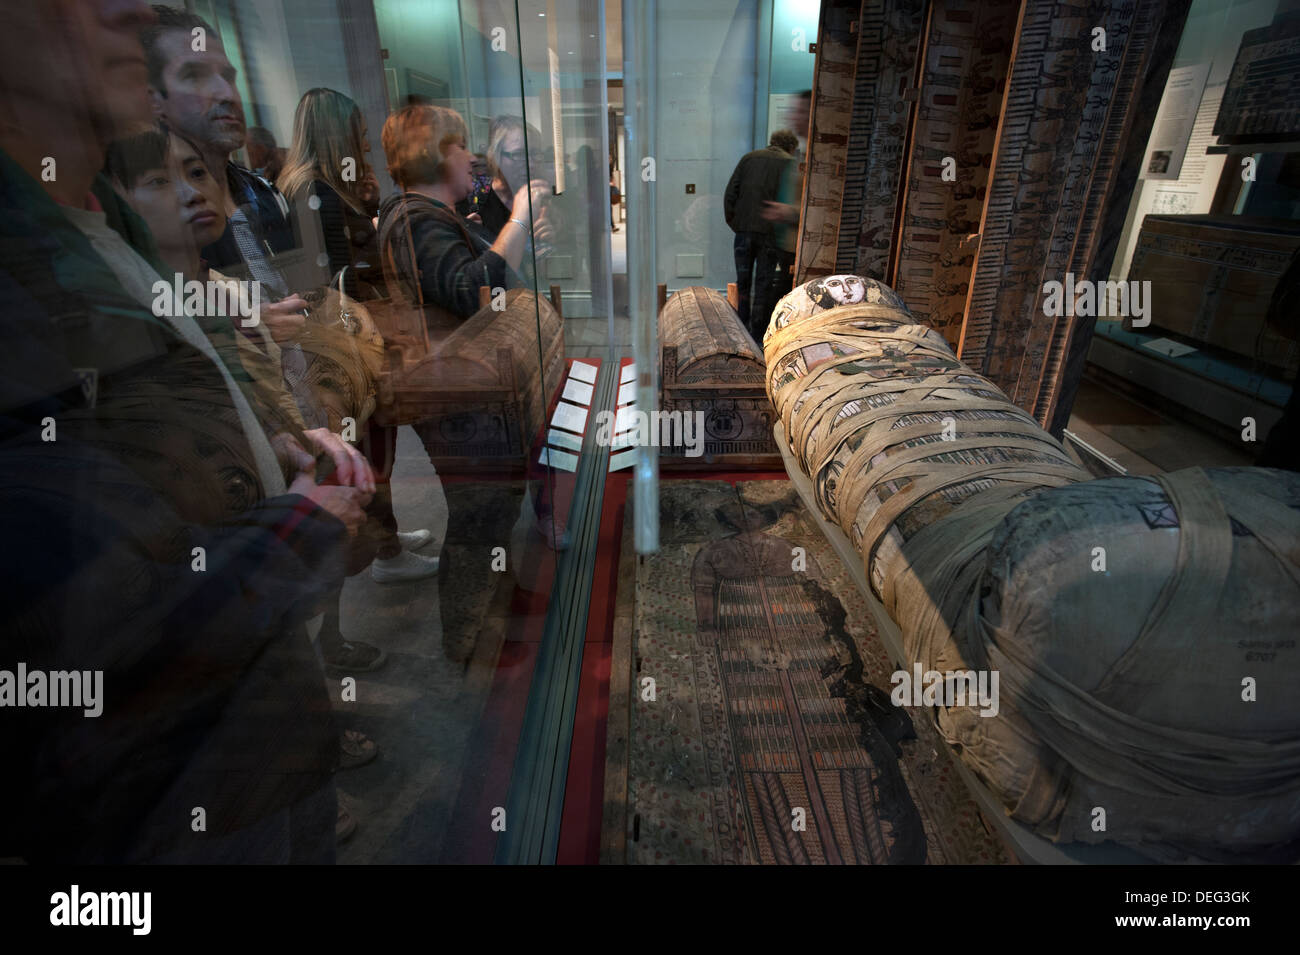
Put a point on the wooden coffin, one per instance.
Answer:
(1211, 280)
(710, 364)
(479, 397)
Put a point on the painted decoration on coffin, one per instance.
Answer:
(810, 732)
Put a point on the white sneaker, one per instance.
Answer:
(414, 540)
(405, 566)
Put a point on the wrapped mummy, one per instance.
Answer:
(980, 537)
(861, 387)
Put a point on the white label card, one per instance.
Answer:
(583, 372)
(569, 417)
(1167, 346)
(558, 459)
(625, 440)
(625, 419)
(577, 391)
(562, 439)
(623, 459)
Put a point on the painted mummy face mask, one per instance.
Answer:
(839, 290)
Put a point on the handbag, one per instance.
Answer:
(412, 329)
(345, 352)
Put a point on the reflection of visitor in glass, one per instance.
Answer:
(427, 158)
(515, 157)
(168, 185)
(435, 258)
(264, 157)
(195, 91)
(160, 454)
(518, 155)
(333, 187)
(327, 177)
(481, 194)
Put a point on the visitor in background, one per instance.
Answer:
(777, 263)
(264, 157)
(216, 699)
(615, 198)
(328, 131)
(755, 182)
(193, 91)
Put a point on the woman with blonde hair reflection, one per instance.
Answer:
(327, 174)
(515, 157)
(333, 188)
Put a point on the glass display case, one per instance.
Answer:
(1210, 232)
(468, 388)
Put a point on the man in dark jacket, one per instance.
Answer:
(192, 86)
(755, 181)
(149, 533)
(192, 89)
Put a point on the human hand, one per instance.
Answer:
(291, 455)
(350, 465)
(535, 196)
(543, 232)
(345, 503)
(779, 211)
(285, 319)
(543, 192)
